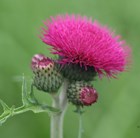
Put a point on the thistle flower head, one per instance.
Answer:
(78, 40)
(46, 76)
(88, 95)
(81, 93)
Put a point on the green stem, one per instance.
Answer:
(20, 110)
(80, 126)
(60, 102)
(11, 112)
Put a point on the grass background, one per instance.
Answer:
(117, 113)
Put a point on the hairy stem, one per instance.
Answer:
(20, 110)
(60, 102)
(80, 126)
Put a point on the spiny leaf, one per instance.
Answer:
(4, 105)
(31, 97)
(30, 103)
(8, 112)
(3, 120)
(27, 97)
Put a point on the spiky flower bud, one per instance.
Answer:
(47, 77)
(81, 93)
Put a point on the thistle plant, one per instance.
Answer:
(84, 50)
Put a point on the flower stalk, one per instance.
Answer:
(80, 126)
(60, 102)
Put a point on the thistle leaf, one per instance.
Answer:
(30, 103)
(5, 106)
(7, 112)
(31, 97)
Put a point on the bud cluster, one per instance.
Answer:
(48, 77)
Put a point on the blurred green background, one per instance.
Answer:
(117, 112)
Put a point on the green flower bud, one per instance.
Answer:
(46, 76)
(81, 93)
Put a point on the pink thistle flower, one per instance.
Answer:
(88, 95)
(78, 40)
(81, 93)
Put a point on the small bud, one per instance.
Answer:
(47, 78)
(81, 94)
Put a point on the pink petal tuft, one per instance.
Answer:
(80, 41)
